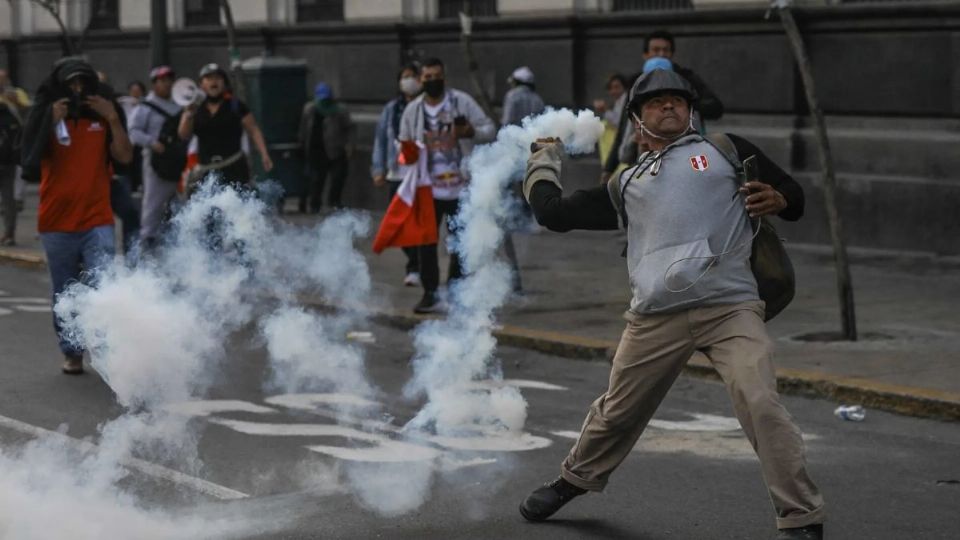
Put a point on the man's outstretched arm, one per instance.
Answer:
(586, 209)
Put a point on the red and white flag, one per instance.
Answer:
(410, 219)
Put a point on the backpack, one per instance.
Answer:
(11, 135)
(769, 262)
(170, 164)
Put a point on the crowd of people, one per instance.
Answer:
(217, 133)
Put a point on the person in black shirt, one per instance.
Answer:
(219, 124)
(660, 44)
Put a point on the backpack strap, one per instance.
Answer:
(157, 108)
(724, 144)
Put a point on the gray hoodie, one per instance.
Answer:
(689, 236)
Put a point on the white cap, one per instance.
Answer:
(522, 74)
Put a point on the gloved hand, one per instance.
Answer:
(543, 164)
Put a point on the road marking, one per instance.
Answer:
(145, 467)
(5, 311)
(701, 422)
(24, 300)
(384, 450)
(309, 402)
(214, 406)
(518, 383)
(34, 308)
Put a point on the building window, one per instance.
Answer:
(104, 14)
(652, 5)
(319, 10)
(450, 9)
(201, 13)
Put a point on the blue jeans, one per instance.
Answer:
(73, 256)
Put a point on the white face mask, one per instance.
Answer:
(410, 86)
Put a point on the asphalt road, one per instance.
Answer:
(693, 475)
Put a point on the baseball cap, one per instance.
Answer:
(523, 74)
(161, 71)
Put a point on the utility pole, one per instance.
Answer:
(238, 87)
(158, 33)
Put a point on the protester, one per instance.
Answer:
(20, 100)
(326, 134)
(72, 135)
(520, 102)
(137, 90)
(660, 43)
(522, 99)
(219, 124)
(687, 216)
(385, 168)
(156, 117)
(13, 104)
(448, 122)
(617, 92)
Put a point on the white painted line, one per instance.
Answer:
(149, 469)
(309, 402)
(700, 422)
(518, 383)
(34, 308)
(214, 406)
(5, 311)
(24, 300)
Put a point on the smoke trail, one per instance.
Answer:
(459, 349)
(157, 335)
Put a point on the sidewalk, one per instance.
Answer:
(907, 361)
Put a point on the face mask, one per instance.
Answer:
(215, 99)
(410, 86)
(433, 88)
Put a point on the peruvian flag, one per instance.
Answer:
(410, 219)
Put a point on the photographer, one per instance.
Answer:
(73, 138)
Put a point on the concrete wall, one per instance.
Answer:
(888, 79)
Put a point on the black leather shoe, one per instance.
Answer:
(547, 499)
(810, 532)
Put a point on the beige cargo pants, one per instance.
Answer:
(650, 356)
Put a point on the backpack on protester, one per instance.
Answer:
(11, 136)
(170, 164)
(769, 262)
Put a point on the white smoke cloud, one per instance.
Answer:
(453, 352)
(157, 336)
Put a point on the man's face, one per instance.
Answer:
(212, 84)
(134, 91)
(431, 73)
(162, 86)
(615, 89)
(4, 79)
(667, 114)
(658, 47)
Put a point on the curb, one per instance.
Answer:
(905, 400)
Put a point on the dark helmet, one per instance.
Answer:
(656, 82)
(213, 69)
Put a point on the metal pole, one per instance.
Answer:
(844, 281)
(158, 33)
(239, 89)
